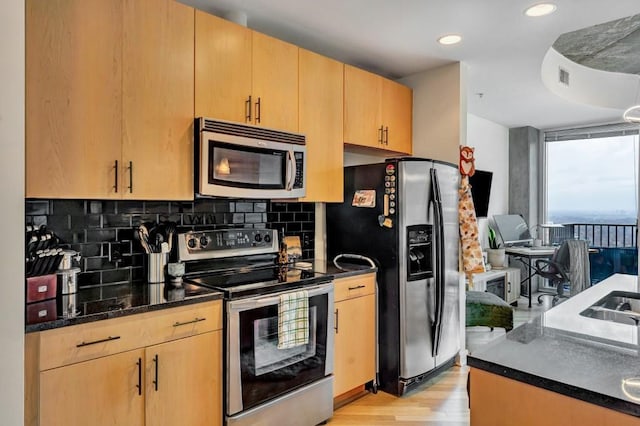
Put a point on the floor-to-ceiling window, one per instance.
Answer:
(591, 187)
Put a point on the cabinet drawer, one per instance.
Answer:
(350, 287)
(68, 345)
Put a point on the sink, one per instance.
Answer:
(618, 306)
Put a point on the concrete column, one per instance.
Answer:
(524, 188)
(524, 143)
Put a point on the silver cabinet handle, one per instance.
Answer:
(193, 321)
(95, 342)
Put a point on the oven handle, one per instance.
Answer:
(259, 302)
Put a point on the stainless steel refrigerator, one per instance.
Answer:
(403, 214)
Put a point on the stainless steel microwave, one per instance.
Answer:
(243, 161)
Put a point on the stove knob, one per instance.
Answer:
(191, 243)
(258, 238)
(267, 238)
(204, 241)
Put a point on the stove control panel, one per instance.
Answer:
(214, 244)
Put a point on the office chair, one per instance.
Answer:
(568, 265)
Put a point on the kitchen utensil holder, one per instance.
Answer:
(156, 266)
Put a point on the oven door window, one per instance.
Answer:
(266, 371)
(246, 167)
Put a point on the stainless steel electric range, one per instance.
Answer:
(264, 384)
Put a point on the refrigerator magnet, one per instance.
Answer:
(364, 198)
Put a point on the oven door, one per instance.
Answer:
(244, 167)
(257, 370)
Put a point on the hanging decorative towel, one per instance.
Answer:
(469, 237)
(293, 319)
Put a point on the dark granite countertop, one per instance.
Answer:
(112, 301)
(578, 365)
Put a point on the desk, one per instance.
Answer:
(527, 255)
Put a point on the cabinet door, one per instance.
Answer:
(362, 114)
(320, 98)
(188, 373)
(102, 391)
(355, 344)
(158, 95)
(73, 98)
(222, 69)
(397, 116)
(275, 83)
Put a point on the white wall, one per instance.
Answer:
(12, 223)
(439, 111)
(491, 143)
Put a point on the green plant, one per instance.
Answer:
(493, 241)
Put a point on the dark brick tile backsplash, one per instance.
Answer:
(102, 230)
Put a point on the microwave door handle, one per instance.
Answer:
(291, 170)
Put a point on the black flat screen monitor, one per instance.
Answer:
(480, 191)
(512, 229)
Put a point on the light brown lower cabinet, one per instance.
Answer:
(355, 333)
(100, 392)
(499, 401)
(189, 378)
(171, 374)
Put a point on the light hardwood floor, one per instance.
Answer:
(441, 401)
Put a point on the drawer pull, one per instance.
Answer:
(178, 324)
(95, 342)
(357, 287)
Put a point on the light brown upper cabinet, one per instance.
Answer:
(397, 116)
(109, 99)
(157, 91)
(321, 117)
(377, 112)
(73, 97)
(244, 76)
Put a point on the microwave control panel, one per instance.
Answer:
(299, 179)
(213, 244)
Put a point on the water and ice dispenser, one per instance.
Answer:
(420, 252)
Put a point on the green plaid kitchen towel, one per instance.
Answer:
(293, 319)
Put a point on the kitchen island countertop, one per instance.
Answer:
(575, 360)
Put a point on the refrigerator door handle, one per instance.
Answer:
(440, 260)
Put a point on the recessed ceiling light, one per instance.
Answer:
(450, 39)
(540, 9)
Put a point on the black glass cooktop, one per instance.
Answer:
(255, 281)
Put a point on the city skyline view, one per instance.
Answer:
(592, 180)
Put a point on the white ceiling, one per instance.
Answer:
(502, 48)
